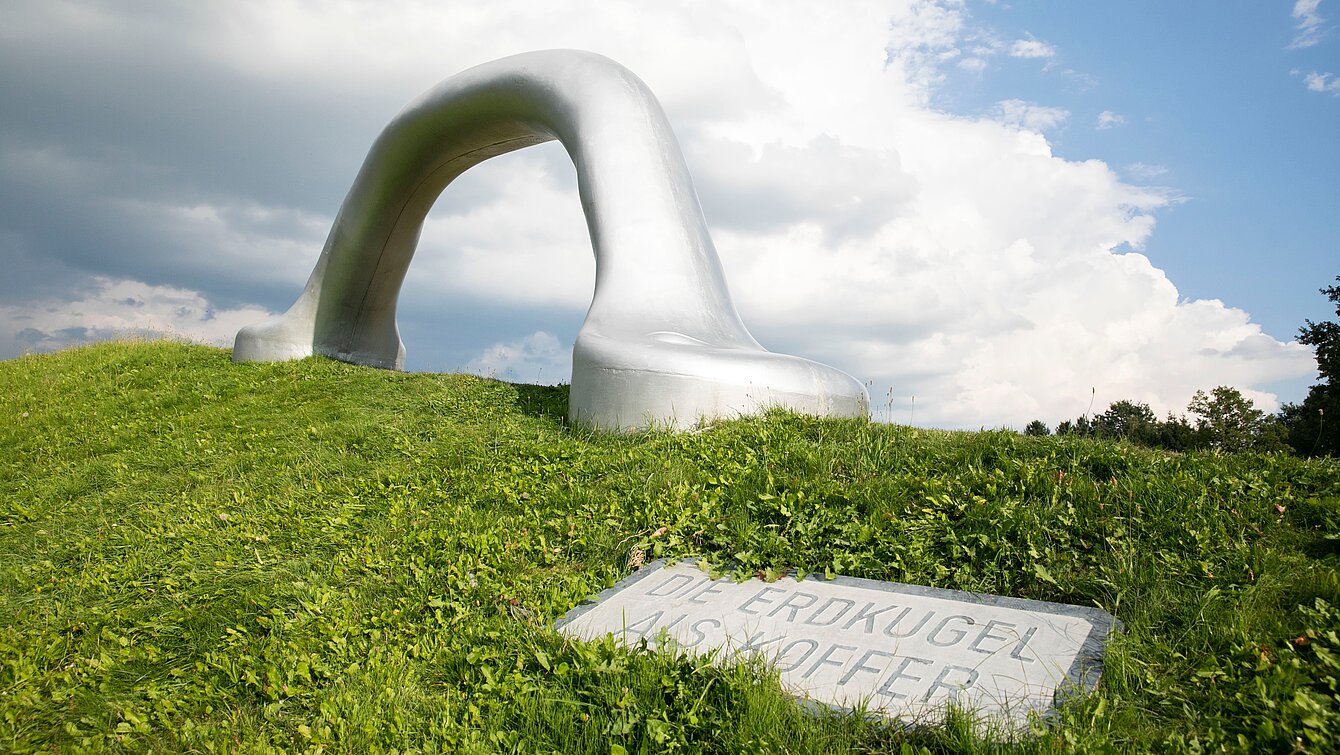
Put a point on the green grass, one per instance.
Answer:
(203, 556)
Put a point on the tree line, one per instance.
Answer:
(1225, 420)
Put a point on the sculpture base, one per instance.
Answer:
(672, 382)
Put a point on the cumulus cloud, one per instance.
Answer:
(951, 257)
(1309, 26)
(1108, 119)
(527, 245)
(1322, 82)
(1030, 115)
(840, 188)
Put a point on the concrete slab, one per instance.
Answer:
(901, 651)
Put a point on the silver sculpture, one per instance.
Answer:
(662, 343)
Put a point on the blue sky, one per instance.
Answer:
(1003, 209)
(1211, 101)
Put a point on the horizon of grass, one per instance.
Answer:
(203, 556)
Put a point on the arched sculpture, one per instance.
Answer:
(662, 343)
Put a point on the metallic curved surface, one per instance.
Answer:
(662, 344)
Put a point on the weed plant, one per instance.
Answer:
(200, 556)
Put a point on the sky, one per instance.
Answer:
(990, 212)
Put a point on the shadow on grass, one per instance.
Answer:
(546, 401)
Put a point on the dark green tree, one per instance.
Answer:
(1274, 436)
(1176, 434)
(1127, 420)
(1083, 427)
(1325, 338)
(1228, 421)
(1313, 427)
(1037, 428)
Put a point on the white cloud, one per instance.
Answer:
(922, 34)
(525, 244)
(1031, 48)
(1108, 119)
(951, 257)
(1322, 82)
(1030, 115)
(1308, 24)
(1145, 171)
(841, 188)
(119, 309)
(537, 358)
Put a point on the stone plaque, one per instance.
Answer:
(901, 651)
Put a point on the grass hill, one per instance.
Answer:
(203, 556)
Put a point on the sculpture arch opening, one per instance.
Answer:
(662, 343)
(503, 273)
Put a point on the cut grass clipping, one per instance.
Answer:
(203, 556)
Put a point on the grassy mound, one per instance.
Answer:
(203, 556)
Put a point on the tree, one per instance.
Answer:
(1037, 428)
(1227, 421)
(1309, 431)
(1127, 420)
(1325, 338)
(1079, 427)
(1311, 427)
(1176, 434)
